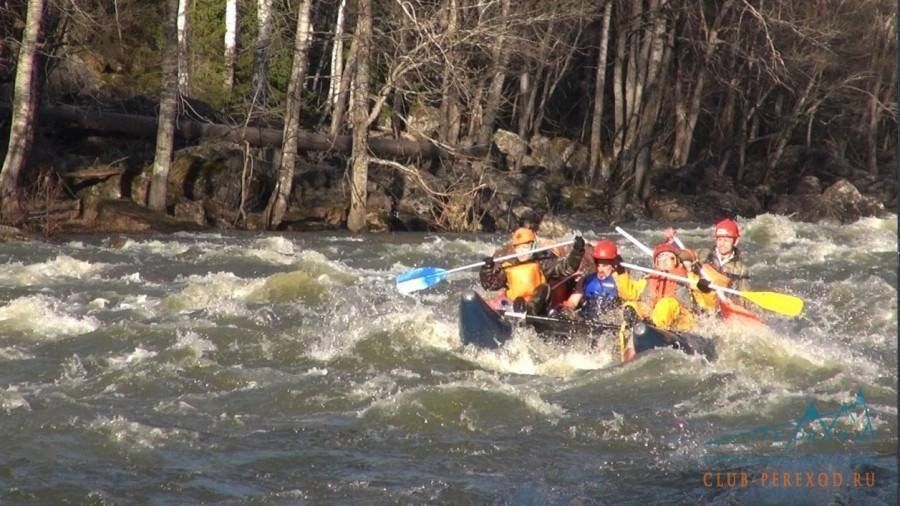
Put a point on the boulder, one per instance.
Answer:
(510, 144)
(423, 119)
(543, 154)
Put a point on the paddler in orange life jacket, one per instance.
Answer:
(723, 264)
(669, 304)
(524, 278)
(596, 294)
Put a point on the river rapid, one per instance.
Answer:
(286, 369)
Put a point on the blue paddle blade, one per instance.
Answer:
(419, 279)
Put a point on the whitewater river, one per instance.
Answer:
(285, 369)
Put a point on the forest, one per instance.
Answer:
(444, 115)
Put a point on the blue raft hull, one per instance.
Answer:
(481, 326)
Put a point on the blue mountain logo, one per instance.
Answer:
(812, 426)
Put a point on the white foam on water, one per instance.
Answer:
(135, 435)
(156, 247)
(134, 277)
(394, 401)
(129, 360)
(191, 341)
(11, 399)
(14, 353)
(42, 316)
(418, 325)
(61, 268)
(73, 371)
(274, 250)
(221, 293)
(527, 353)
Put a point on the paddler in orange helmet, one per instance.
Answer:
(723, 264)
(524, 278)
(669, 304)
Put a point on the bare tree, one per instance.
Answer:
(599, 94)
(184, 64)
(260, 79)
(25, 99)
(278, 201)
(448, 131)
(337, 56)
(168, 104)
(687, 105)
(498, 75)
(231, 27)
(359, 176)
(342, 98)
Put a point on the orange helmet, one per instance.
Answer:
(664, 247)
(605, 250)
(727, 228)
(522, 235)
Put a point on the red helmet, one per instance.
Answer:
(522, 235)
(605, 250)
(664, 247)
(727, 228)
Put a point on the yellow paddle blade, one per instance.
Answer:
(778, 302)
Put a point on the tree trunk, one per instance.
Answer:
(619, 84)
(552, 79)
(448, 130)
(784, 135)
(525, 105)
(25, 100)
(599, 87)
(260, 80)
(130, 125)
(726, 120)
(231, 25)
(686, 119)
(650, 100)
(498, 75)
(337, 57)
(356, 217)
(343, 96)
(279, 199)
(183, 55)
(168, 101)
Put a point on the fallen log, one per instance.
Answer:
(133, 125)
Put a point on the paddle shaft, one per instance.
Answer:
(511, 255)
(647, 251)
(677, 277)
(643, 247)
(527, 317)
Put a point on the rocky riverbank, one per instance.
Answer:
(92, 183)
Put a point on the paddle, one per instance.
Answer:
(729, 309)
(548, 319)
(646, 249)
(421, 278)
(781, 303)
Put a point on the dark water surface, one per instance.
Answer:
(285, 369)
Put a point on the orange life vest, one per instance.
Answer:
(659, 287)
(523, 279)
(715, 276)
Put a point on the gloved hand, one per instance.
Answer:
(578, 245)
(703, 286)
(577, 253)
(567, 313)
(620, 269)
(695, 268)
(488, 263)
